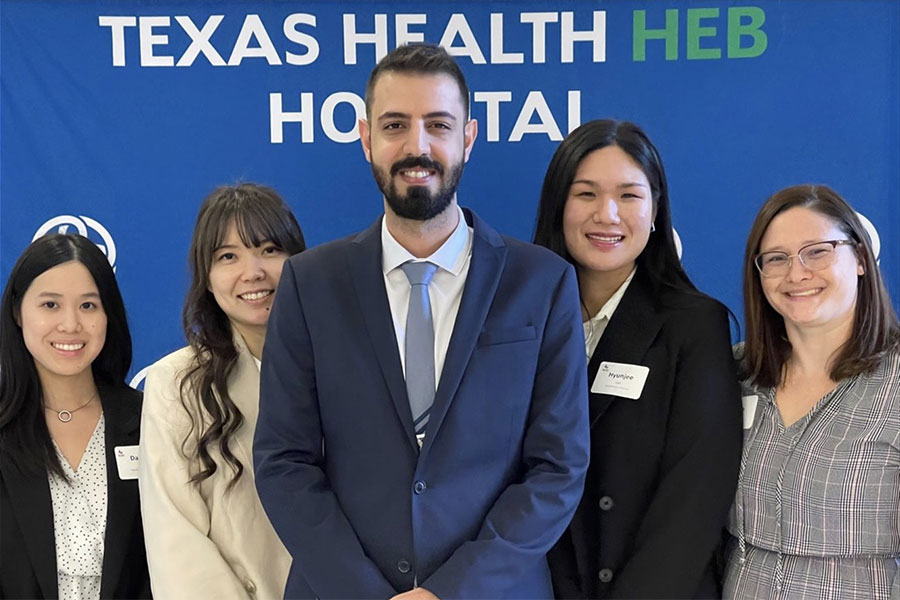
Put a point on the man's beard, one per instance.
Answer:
(418, 204)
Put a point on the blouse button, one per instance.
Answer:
(605, 575)
(249, 586)
(606, 503)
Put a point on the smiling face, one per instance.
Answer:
(608, 213)
(243, 280)
(63, 321)
(808, 298)
(417, 142)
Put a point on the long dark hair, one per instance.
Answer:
(24, 438)
(875, 327)
(259, 215)
(659, 260)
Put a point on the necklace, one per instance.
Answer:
(66, 415)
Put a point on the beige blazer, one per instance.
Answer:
(204, 541)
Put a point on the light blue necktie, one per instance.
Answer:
(419, 343)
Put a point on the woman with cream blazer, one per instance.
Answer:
(204, 540)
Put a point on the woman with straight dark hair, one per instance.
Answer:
(207, 534)
(70, 524)
(664, 404)
(817, 510)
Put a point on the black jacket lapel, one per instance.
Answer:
(627, 338)
(122, 429)
(33, 509)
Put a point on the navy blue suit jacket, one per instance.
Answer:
(362, 511)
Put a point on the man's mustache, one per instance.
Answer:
(412, 162)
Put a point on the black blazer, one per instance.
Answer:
(27, 543)
(663, 467)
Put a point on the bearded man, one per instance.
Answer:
(423, 427)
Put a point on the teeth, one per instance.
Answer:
(806, 293)
(255, 295)
(607, 239)
(68, 347)
(416, 174)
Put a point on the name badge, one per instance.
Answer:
(749, 403)
(620, 379)
(127, 459)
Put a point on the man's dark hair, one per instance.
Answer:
(420, 59)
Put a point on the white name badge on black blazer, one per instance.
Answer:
(620, 379)
(127, 459)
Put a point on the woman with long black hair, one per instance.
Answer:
(70, 525)
(207, 534)
(664, 400)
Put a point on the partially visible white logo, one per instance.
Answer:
(678, 246)
(62, 223)
(137, 382)
(873, 234)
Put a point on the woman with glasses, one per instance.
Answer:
(664, 402)
(817, 511)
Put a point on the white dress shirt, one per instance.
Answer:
(79, 519)
(444, 291)
(596, 325)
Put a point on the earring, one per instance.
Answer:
(652, 227)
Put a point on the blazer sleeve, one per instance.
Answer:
(532, 513)
(184, 563)
(289, 462)
(683, 524)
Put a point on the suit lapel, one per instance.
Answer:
(368, 282)
(627, 338)
(33, 509)
(243, 387)
(488, 258)
(122, 429)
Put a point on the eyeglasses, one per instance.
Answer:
(815, 257)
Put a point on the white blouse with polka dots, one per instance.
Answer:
(79, 520)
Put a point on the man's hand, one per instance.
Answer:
(416, 594)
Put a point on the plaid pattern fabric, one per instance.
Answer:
(812, 577)
(817, 510)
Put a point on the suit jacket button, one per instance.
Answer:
(249, 586)
(403, 565)
(420, 487)
(605, 575)
(606, 503)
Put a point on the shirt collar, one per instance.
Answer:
(607, 310)
(451, 256)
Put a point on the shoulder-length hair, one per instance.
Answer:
(24, 437)
(875, 327)
(259, 215)
(659, 259)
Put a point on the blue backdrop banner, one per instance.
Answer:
(118, 118)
